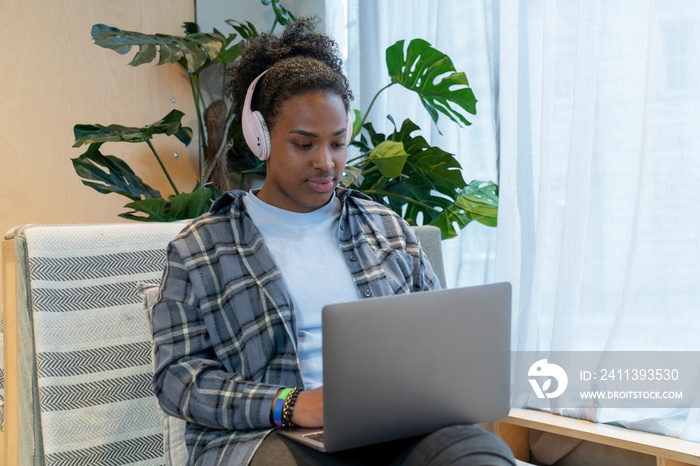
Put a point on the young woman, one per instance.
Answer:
(237, 328)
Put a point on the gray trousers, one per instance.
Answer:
(456, 445)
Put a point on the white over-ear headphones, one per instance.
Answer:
(255, 131)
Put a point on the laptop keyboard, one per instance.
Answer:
(315, 436)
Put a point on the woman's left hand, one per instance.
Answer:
(308, 409)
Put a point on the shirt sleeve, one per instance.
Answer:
(189, 381)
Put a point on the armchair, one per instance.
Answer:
(77, 343)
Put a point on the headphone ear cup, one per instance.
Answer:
(263, 136)
(255, 130)
(348, 138)
(256, 134)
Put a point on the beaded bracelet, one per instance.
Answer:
(289, 407)
(279, 406)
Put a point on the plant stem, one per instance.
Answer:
(372, 103)
(148, 141)
(369, 170)
(223, 81)
(199, 91)
(219, 152)
(200, 124)
(405, 198)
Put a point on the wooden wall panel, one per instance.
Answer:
(53, 76)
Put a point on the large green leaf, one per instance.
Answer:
(170, 125)
(176, 207)
(153, 208)
(190, 27)
(230, 51)
(419, 69)
(245, 28)
(389, 157)
(429, 189)
(374, 137)
(352, 177)
(109, 174)
(282, 15)
(478, 201)
(193, 50)
(191, 205)
(356, 124)
(441, 168)
(438, 168)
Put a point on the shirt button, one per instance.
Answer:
(353, 258)
(368, 293)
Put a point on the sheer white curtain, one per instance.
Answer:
(465, 32)
(591, 111)
(599, 215)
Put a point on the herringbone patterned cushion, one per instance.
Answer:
(92, 341)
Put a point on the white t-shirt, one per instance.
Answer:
(305, 249)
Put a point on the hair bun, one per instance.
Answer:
(300, 60)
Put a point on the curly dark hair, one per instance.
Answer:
(299, 61)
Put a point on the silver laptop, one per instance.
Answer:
(406, 365)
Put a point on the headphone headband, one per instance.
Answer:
(255, 131)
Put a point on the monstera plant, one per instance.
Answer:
(423, 183)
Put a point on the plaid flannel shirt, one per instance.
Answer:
(224, 329)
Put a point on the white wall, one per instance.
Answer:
(54, 77)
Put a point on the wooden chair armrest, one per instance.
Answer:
(9, 435)
(668, 451)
